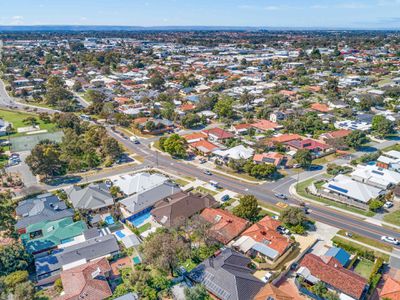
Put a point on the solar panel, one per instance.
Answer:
(377, 172)
(339, 189)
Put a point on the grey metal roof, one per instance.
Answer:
(94, 196)
(227, 276)
(88, 250)
(45, 207)
(148, 198)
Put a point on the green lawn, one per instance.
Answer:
(181, 182)
(393, 217)
(144, 227)
(301, 190)
(364, 268)
(16, 118)
(205, 191)
(368, 241)
(393, 147)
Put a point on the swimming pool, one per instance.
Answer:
(109, 220)
(120, 234)
(139, 220)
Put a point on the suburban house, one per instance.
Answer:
(274, 158)
(143, 191)
(391, 289)
(266, 125)
(329, 270)
(42, 208)
(240, 129)
(284, 138)
(235, 153)
(172, 211)
(203, 147)
(346, 190)
(389, 160)
(47, 235)
(226, 276)
(334, 135)
(375, 176)
(94, 197)
(217, 134)
(263, 241)
(317, 148)
(225, 225)
(87, 281)
(194, 137)
(320, 107)
(48, 268)
(271, 292)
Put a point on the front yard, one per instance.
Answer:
(393, 217)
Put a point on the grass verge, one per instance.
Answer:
(367, 241)
(393, 217)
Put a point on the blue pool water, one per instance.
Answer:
(136, 260)
(120, 234)
(109, 220)
(137, 221)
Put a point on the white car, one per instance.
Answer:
(267, 277)
(390, 240)
(388, 204)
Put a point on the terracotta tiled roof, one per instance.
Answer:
(264, 157)
(332, 273)
(219, 133)
(87, 281)
(391, 289)
(307, 144)
(187, 107)
(336, 134)
(321, 107)
(264, 230)
(204, 146)
(194, 136)
(285, 138)
(265, 125)
(226, 226)
(242, 126)
(272, 292)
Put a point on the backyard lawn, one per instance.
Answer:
(17, 118)
(364, 268)
(144, 227)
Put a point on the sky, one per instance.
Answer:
(368, 14)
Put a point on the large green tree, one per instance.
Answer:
(381, 126)
(248, 208)
(13, 258)
(303, 157)
(174, 145)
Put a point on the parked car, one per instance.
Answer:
(281, 196)
(388, 204)
(390, 240)
(203, 160)
(267, 277)
(225, 198)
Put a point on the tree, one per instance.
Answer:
(198, 292)
(248, 208)
(157, 81)
(13, 258)
(30, 121)
(262, 171)
(7, 219)
(164, 250)
(175, 145)
(381, 126)
(303, 157)
(293, 216)
(111, 148)
(319, 289)
(375, 205)
(15, 278)
(24, 290)
(223, 108)
(356, 138)
(191, 120)
(45, 159)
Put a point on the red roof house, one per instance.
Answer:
(265, 125)
(217, 134)
(270, 158)
(88, 281)
(330, 271)
(390, 290)
(226, 226)
(320, 107)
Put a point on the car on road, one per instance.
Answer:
(388, 204)
(281, 196)
(203, 160)
(390, 240)
(207, 172)
(134, 139)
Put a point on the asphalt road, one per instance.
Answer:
(262, 192)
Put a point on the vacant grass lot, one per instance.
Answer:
(17, 118)
(368, 241)
(301, 190)
(393, 217)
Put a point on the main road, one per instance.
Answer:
(262, 192)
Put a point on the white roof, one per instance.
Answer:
(374, 174)
(345, 186)
(386, 160)
(238, 152)
(137, 183)
(393, 153)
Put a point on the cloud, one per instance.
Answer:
(17, 20)
(272, 7)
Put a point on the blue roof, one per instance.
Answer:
(341, 255)
(267, 251)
